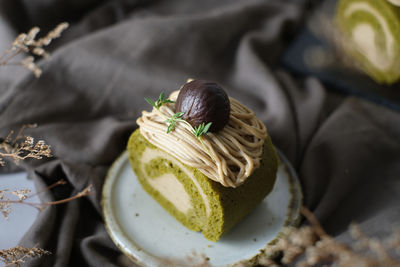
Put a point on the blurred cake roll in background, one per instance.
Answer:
(371, 30)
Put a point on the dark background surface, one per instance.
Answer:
(344, 148)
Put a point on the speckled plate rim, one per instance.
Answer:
(143, 258)
(120, 240)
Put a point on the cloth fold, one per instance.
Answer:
(117, 52)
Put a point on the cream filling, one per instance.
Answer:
(172, 190)
(395, 2)
(167, 188)
(364, 37)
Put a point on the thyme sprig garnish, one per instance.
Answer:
(201, 129)
(172, 121)
(160, 101)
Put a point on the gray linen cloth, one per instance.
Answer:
(346, 150)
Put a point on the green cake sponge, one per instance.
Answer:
(371, 34)
(196, 201)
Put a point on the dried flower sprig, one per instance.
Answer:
(5, 204)
(22, 147)
(312, 246)
(17, 255)
(25, 42)
(20, 197)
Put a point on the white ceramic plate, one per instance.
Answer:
(146, 233)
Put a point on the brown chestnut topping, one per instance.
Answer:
(203, 102)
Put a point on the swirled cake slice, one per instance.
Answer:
(196, 201)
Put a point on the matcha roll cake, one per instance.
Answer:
(371, 36)
(204, 157)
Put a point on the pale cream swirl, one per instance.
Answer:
(228, 156)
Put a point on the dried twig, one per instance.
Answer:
(22, 147)
(17, 255)
(26, 43)
(312, 246)
(20, 197)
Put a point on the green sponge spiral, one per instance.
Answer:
(373, 29)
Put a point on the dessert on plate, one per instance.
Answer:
(204, 157)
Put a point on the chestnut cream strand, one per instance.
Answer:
(228, 156)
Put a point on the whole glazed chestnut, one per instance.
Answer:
(203, 102)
